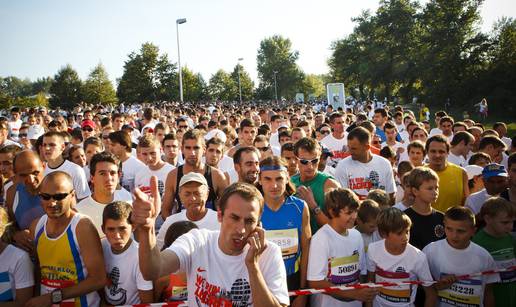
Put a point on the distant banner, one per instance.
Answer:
(336, 95)
(300, 97)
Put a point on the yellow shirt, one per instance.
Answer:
(451, 189)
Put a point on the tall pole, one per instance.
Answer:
(178, 22)
(275, 85)
(239, 85)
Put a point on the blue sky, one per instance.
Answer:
(39, 37)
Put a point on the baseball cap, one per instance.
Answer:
(215, 133)
(473, 170)
(88, 123)
(494, 170)
(282, 126)
(193, 177)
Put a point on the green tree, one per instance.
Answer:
(275, 55)
(313, 85)
(15, 87)
(222, 86)
(98, 88)
(246, 83)
(66, 90)
(148, 76)
(194, 86)
(42, 85)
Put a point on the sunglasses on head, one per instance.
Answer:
(57, 196)
(87, 129)
(305, 162)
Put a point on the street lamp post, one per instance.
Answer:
(178, 22)
(275, 85)
(239, 85)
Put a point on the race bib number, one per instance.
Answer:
(394, 294)
(463, 293)
(344, 270)
(48, 286)
(286, 239)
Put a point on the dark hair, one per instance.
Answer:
(446, 119)
(214, 141)
(511, 160)
(380, 197)
(381, 111)
(117, 210)
(389, 125)
(361, 134)
(460, 213)
(473, 160)
(245, 190)
(334, 116)
(193, 134)
(490, 140)
(168, 137)
(10, 149)
(240, 151)
(462, 136)
(93, 140)
(278, 161)
(246, 122)
(387, 152)
(287, 147)
(404, 167)
(368, 210)
(103, 157)
(439, 138)
(123, 138)
(307, 144)
(176, 230)
(494, 205)
(338, 199)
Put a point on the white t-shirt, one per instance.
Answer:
(337, 258)
(94, 209)
(226, 163)
(410, 265)
(457, 160)
(125, 277)
(337, 146)
(130, 168)
(443, 259)
(143, 177)
(401, 206)
(213, 275)
(362, 177)
(80, 184)
(14, 128)
(476, 200)
(232, 175)
(209, 221)
(16, 272)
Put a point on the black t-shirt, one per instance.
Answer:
(425, 228)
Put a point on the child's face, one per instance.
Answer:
(500, 224)
(118, 233)
(458, 233)
(347, 218)
(367, 227)
(428, 191)
(398, 240)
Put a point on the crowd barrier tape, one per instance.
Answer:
(348, 287)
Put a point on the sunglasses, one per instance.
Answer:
(325, 131)
(22, 135)
(183, 127)
(56, 197)
(264, 149)
(305, 162)
(87, 129)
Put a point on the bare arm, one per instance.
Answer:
(146, 296)
(168, 196)
(220, 181)
(489, 298)
(363, 295)
(306, 235)
(22, 296)
(430, 296)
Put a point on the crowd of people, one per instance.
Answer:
(226, 204)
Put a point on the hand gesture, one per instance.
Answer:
(446, 281)
(256, 241)
(307, 195)
(366, 294)
(23, 240)
(146, 207)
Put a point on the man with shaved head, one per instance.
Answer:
(70, 258)
(22, 200)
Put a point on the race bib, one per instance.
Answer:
(48, 286)
(394, 294)
(463, 293)
(344, 270)
(286, 239)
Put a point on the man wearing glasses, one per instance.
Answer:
(311, 184)
(68, 247)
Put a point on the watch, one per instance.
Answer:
(57, 296)
(316, 210)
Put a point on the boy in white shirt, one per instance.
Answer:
(457, 255)
(126, 285)
(393, 259)
(337, 254)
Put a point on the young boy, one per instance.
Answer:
(427, 223)
(495, 237)
(366, 222)
(126, 285)
(457, 255)
(393, 259)
(408, 197)
(403, 168)
(337, 253)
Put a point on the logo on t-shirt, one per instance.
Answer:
(114, 294)
(439, 231)
(209, 294)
